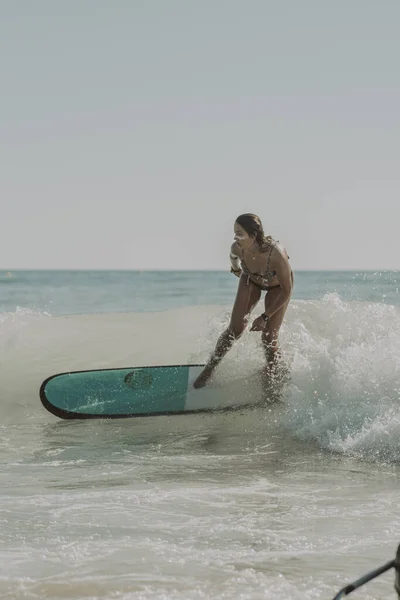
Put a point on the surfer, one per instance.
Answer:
(261, 265)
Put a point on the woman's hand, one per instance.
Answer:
(260, 323)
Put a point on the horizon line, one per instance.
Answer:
(160, 270)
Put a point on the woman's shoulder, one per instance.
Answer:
(278, 250)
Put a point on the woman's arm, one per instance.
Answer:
(283, 271)
(235, 260)
(275, 301)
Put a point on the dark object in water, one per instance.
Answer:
(397, 567)
(369, 576)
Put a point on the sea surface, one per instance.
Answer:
(287, 501)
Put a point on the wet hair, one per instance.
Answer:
(253, 226)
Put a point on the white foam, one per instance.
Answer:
(344, 389)
(344, 358)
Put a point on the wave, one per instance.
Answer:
(343, 357)
(345, 376)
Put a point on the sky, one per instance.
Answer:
(134, 132)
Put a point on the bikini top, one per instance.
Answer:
(269, 273)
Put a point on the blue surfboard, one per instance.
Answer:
(129, 392)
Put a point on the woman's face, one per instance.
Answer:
(242, 238)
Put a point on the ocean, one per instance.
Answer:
(287, 501)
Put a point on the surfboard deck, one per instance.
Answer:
(134, 392)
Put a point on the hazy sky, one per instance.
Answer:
(133, 132)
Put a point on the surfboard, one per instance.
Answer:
(132, 392)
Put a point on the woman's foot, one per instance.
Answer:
(204, 376)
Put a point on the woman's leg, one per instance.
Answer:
(269, 336)
(247, 296)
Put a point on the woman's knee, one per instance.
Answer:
(237, 327)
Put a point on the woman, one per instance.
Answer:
(262, 265)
